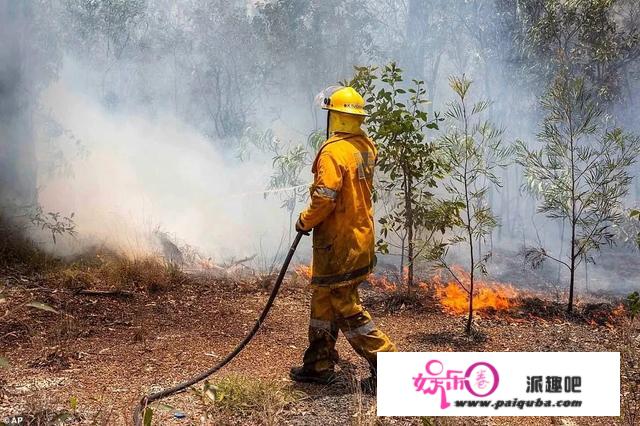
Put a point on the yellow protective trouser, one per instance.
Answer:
(341, 308)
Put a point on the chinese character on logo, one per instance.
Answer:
(572, 384)
(534, 384)
(480, 379)
(553, 384)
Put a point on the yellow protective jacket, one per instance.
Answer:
(341, 211)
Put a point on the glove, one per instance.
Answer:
(300, 228)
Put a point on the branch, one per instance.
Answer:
(545, 254)
(454, 275)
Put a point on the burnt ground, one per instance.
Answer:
(90, 362)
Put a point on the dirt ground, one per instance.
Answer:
(92, 360)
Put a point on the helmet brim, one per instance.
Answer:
(347, 110)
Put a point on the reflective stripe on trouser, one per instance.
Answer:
(341, 308)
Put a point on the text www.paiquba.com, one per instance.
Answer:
(516, 403)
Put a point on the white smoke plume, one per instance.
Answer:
(141, 174)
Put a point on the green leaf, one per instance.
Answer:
(41, 306)
(148, 415)
(633, 302)
(73, 403)
(4, 362)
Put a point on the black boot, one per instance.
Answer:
(305, 375)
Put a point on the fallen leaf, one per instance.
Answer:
(41, 306)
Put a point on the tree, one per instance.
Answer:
(228, 68)
(596, 39)
(580, 174)
(104, 30)
(408, 163)
(289, 163)
(29, 59)
(288, 166)
(311, 43)
(473, 150)
(636, 214)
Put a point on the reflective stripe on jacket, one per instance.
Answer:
(341, 211)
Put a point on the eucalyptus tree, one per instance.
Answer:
(407, 161)
(29, 59)
(473, 149)
(596, 39)
(104, 33)
(312, 43)
(580, 174)
(636, 214)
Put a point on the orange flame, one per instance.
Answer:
(381, 282)
(488, 295)
(303, 271)
(619, 311)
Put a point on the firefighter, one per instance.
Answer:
(341, 216)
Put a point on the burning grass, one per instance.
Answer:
(382, 282)
(303, 271)
(489, 296)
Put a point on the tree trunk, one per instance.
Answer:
(471, 250)
(409, 226)
(572, 268)
(416, 31)
(18, 160)
(471, 273)
(469, 229)
(402, 260)
(574, 218)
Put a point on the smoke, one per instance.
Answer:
(143, 174)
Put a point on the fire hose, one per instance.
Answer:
(180, 387)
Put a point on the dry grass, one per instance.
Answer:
(261, 400)
(150, 274)
(39, 411)
(17, 248)
(97, 267)
(399, 299)
(75, 279)
(363, 408)
(109, 271)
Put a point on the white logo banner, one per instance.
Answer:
(498, 384)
